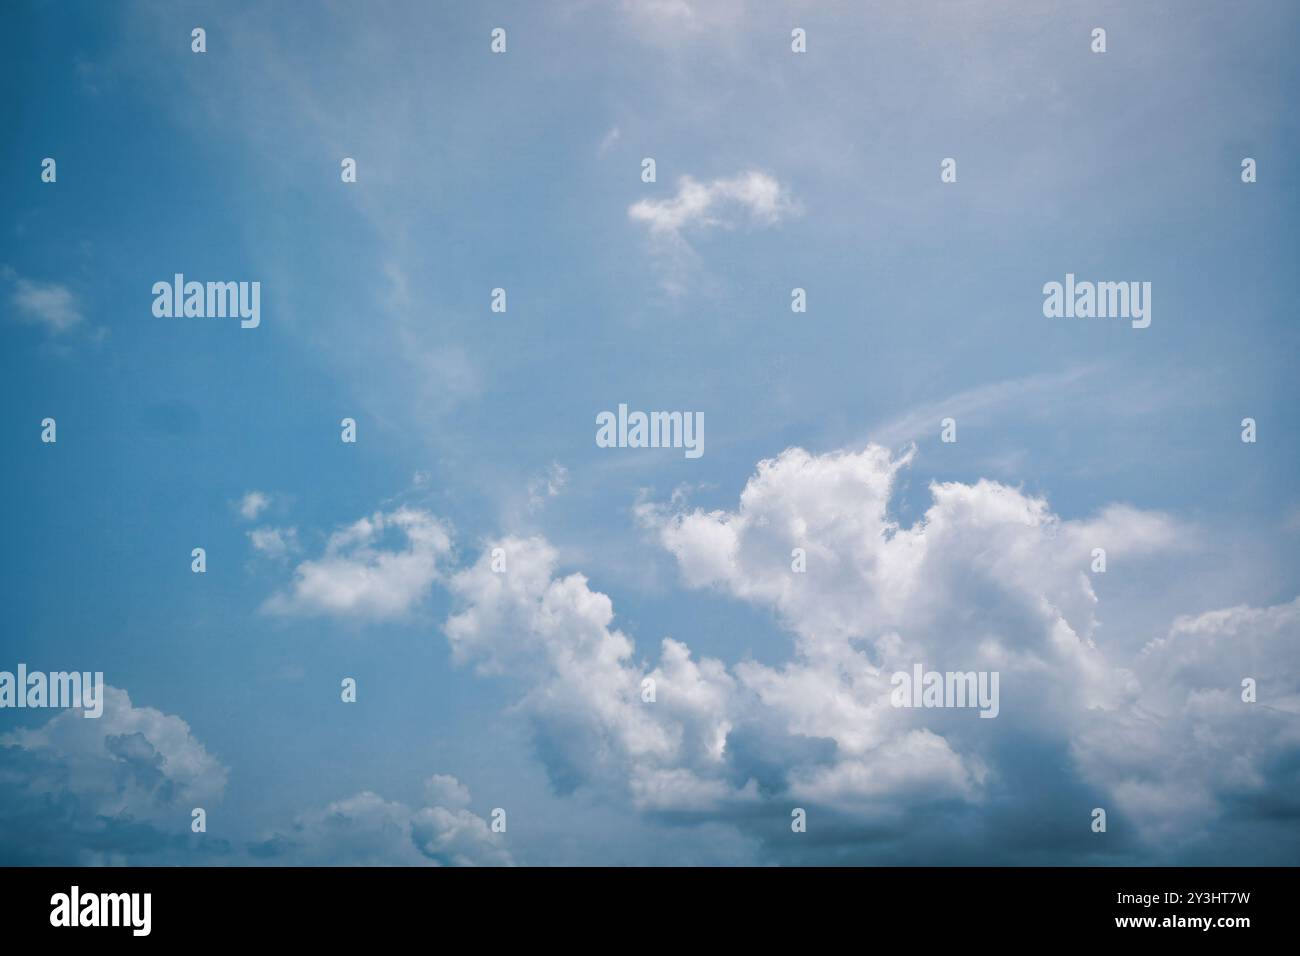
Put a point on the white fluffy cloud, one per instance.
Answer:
(44, 303)
(1192, 750)
(445, 790)
(131, 760)
(253, 504)
(752, 194)
(274, 542)
(120, 789)
(377, 568)
(96, 791)
(583, 690)
(367, 830)
(988, 579)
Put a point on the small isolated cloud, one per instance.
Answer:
(378, 568)
(752, 197)
(720, 203)
(44, 303)
(275, 542)
(253, 504)
(367, 830)
(547, 486)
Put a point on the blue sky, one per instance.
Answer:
(522, 171)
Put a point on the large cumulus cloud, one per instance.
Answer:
(988, 579)
(115, 789)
